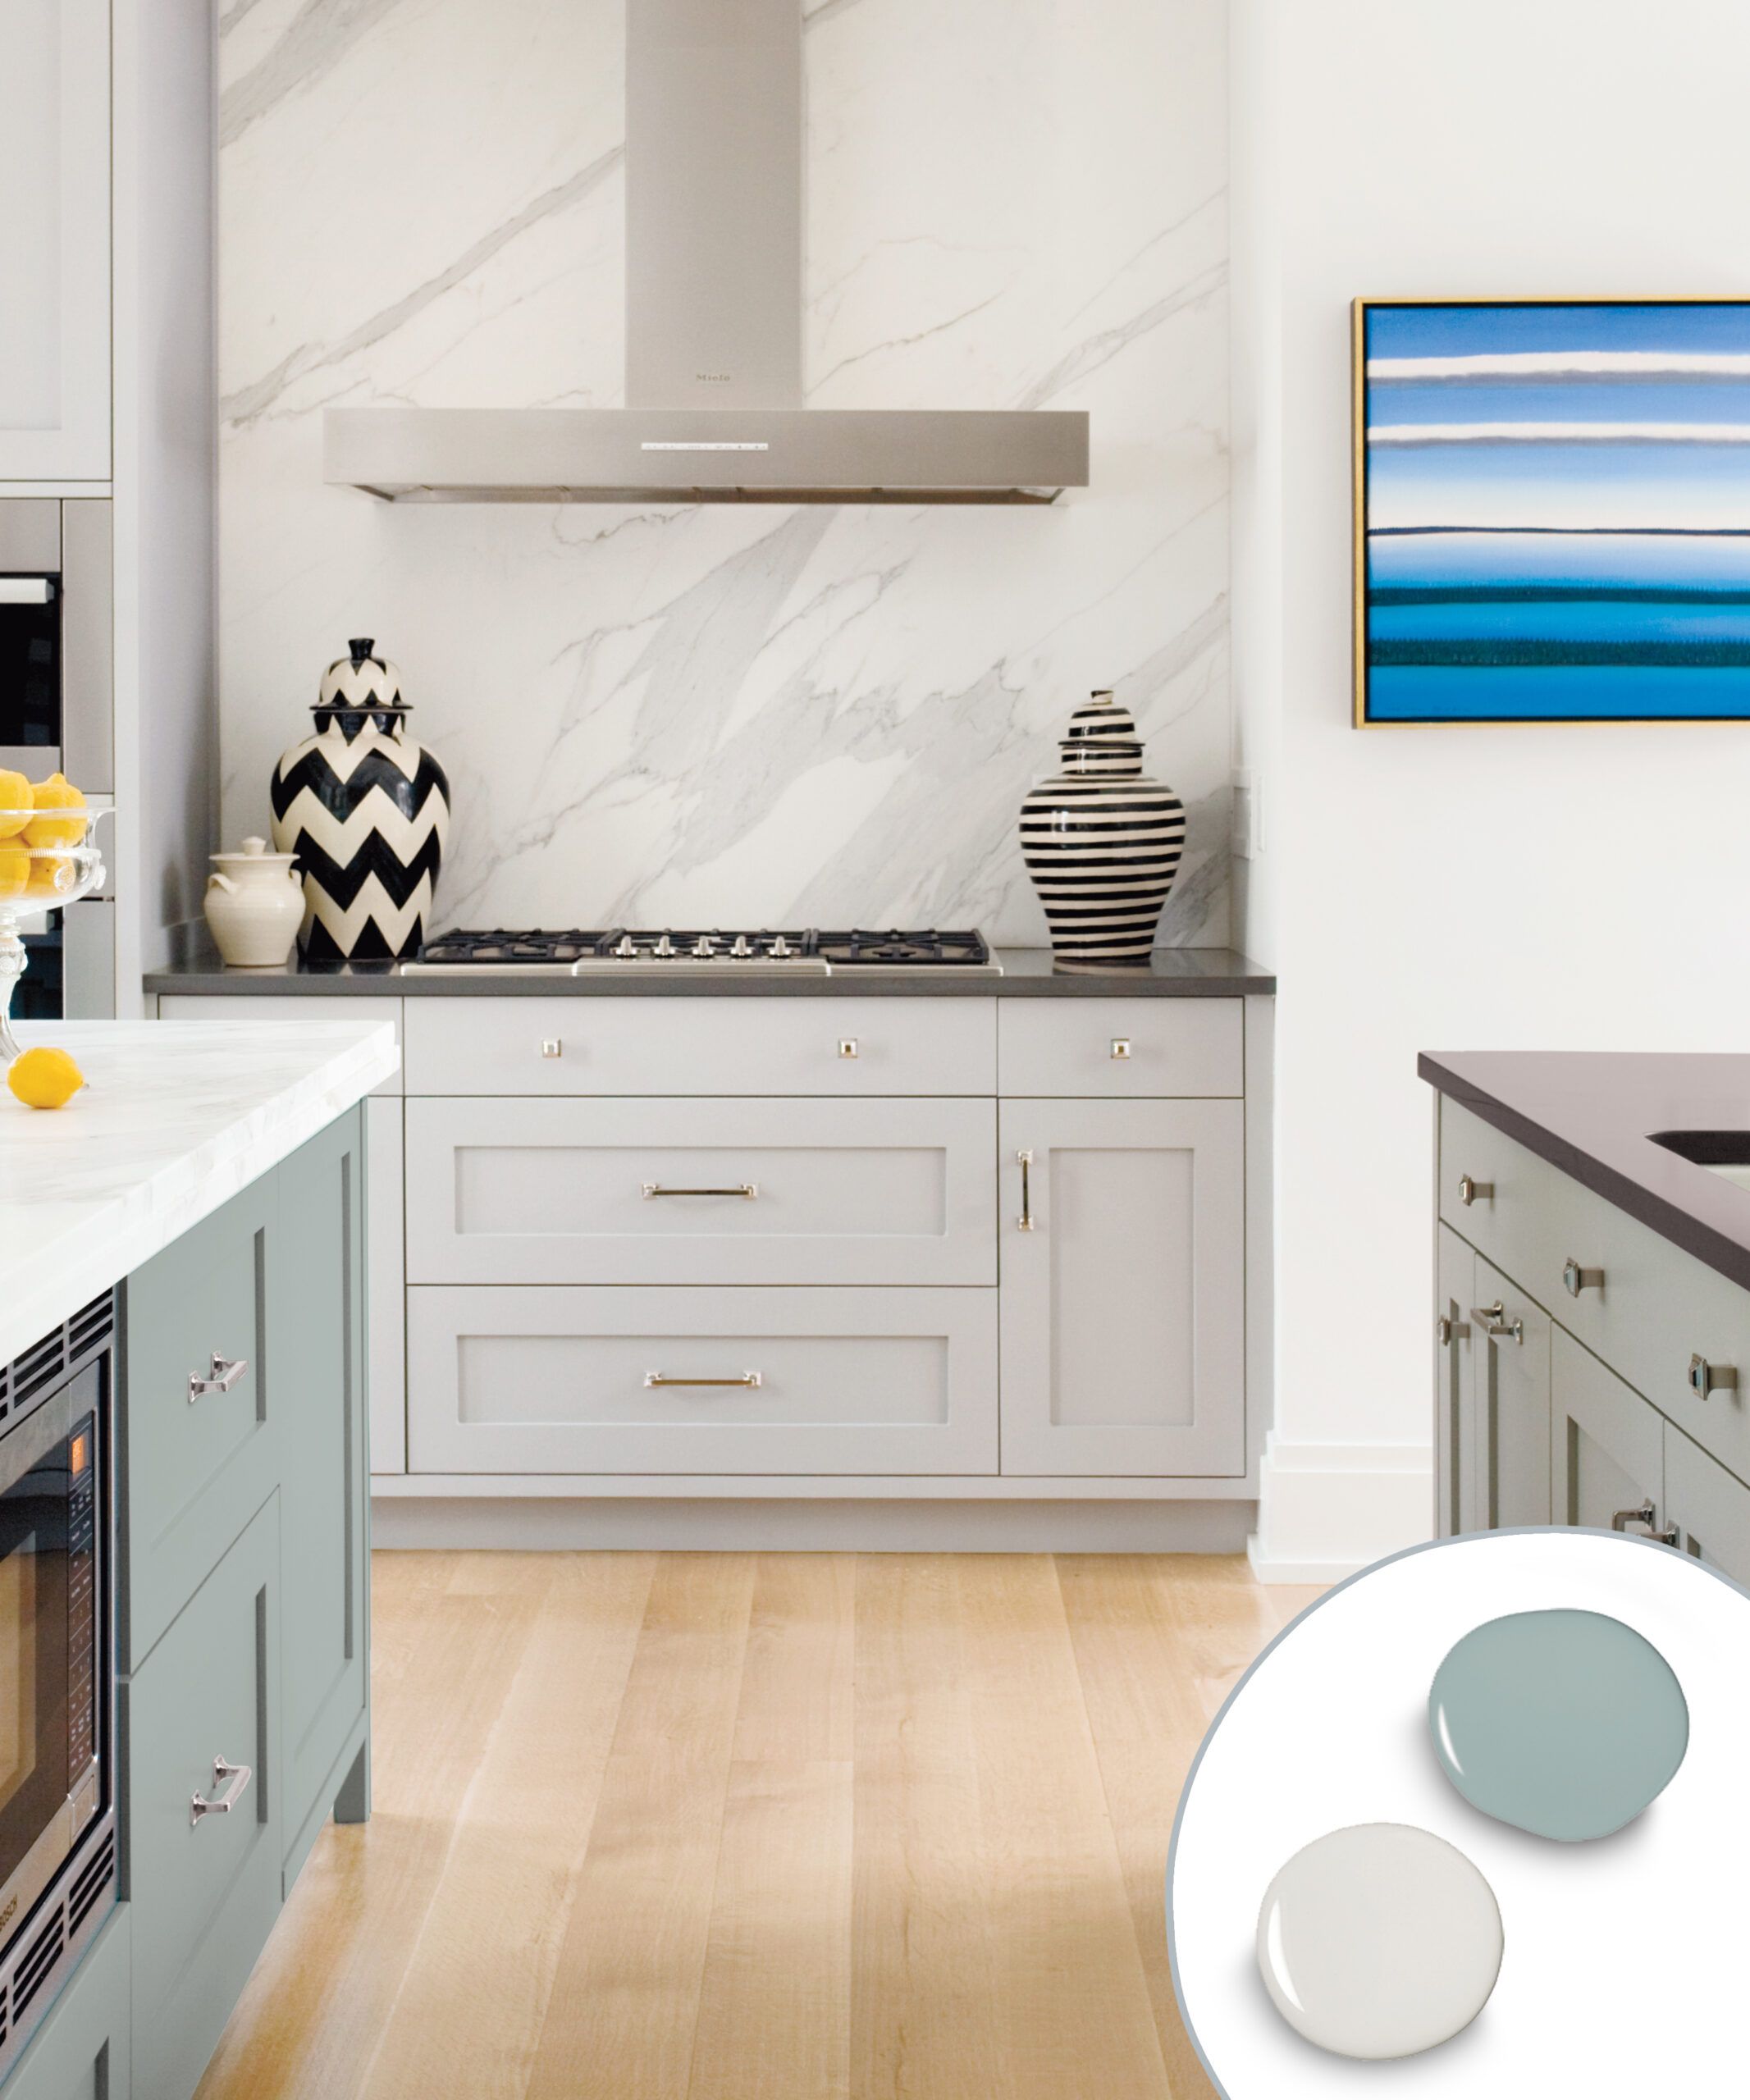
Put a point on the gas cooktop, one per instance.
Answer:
(580, 954)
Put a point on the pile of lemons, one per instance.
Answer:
(37, 814)
(35, 817)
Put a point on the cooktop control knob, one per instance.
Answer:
(741, 947)
(781, 947)
(627, 947)
(703, 945)
(665, 947)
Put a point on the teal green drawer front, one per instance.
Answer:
(81, 2051)
(196, 1468)
(205, 1887)
(316, 1321)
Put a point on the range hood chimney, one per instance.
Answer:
(714, 327)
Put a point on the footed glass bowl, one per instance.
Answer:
(48, 858)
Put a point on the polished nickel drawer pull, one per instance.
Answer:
(848, 1046)
(1469, 1190)
(240, 1776)
(1706, 1378)
(552, 1046)
(1024, 1223)
(1447, 1330)
(750, 1189)
(225, 1373)
(1496, 1324)
(1121, 1047)
(1648, 1516)
(751, 1378)
(1574, 1279)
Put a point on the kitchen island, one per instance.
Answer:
(769, 1256)
(182, 1252)
(1592, 1323)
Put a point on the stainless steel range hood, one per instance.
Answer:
(713, 300)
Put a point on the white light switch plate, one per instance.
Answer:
(1248, 814)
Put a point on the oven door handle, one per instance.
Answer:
(27, 590)
(240, 1776)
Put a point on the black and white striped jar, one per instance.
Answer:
(1102, 843)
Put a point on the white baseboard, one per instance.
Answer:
(616, 1525)
(1326, 1511)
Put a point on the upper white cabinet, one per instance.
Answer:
(54, 240)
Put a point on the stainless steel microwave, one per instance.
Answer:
(58, 715)
(57, 1662)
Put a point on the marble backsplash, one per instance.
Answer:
(764, 715)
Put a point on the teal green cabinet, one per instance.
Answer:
(81, 2050)
(201, 1788)
(315, 1329)
(199, 1425)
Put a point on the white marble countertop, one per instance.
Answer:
(176, 1117)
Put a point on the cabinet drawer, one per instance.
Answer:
(195, 1469)
(220, 1006)
(1710, 1510)
(1123, 1047)
(735, 1045)
(205, 1892)
(730, 1191)
(558, 1380)
(1607, 1446)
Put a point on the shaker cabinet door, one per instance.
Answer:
(1709, 1508)
(1121, 1256)
(54, 240)
(1455, 1388)
(1607, 1446)
(1510, 1344)
(316, 1317)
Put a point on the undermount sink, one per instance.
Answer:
(1724, 1153)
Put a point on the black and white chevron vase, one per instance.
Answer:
(366, 811)
(1102, 843)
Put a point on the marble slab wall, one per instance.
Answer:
(715, 713)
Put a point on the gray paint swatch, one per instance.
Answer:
(1565, 1723)
(1378, 1941)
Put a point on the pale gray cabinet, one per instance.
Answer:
(55, 241)
(1510, 1351)
(83, 2049)
(1709, 1507)
(1606, 1447)
(1122, 1287)
(1455, 1387)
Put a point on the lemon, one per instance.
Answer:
(16, 799)
(44, 1078)
(57, 792)
(51, 874)
(15, 870)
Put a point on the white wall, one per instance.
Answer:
(1580, 887)
(735, 714)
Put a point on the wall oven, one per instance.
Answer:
(57, 715)
(57, 1669)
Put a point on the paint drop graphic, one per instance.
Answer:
(1564, 1724)
(1379, 1941)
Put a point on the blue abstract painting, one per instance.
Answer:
(1553, 511)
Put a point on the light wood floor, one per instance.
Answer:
(757, 1826)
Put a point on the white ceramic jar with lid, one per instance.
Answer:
(255, 906)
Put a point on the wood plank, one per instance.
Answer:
(491, 1934)
(323, 1990)
(625, 1997)
(1159, 1642)
(775, 2005)
(923, 2021)
(1073, 1997)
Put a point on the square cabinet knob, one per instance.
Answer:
(848, 1046)
(1121, 1046)
(552, 1047)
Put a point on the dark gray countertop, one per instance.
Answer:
(1591, 1112)
(1027, 974)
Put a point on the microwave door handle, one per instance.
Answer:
(27, 590)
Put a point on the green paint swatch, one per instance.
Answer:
(1565, 1723)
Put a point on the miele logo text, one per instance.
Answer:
(5, 1915)
(714, 378)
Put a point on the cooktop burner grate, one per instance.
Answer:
(580, 951)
